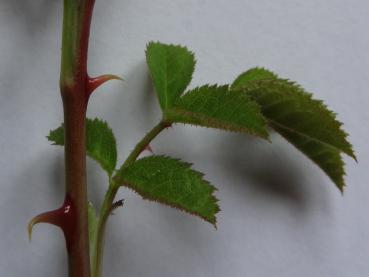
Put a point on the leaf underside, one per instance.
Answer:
(218, 107)
(100, 143)
(171, 68)
(171, 182)
(305, 122)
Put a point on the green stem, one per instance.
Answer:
(77, 17)
(98, 251)
(107, 205)
(144, 142)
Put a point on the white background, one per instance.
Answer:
(281, 216)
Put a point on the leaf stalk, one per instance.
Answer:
(106, 208)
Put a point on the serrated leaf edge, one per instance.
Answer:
(191, 53)
(214, 122)
(252, 85)
(119, 180)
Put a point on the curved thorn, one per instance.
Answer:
(32, 223)
(51, 217)
(94, 83)
(59, 217)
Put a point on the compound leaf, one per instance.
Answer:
(100, 143)
(218, 107)
(171, 68)
(171, 182)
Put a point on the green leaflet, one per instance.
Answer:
(100, 143)
(253, 74)
(171, 182)
(218, 107)
(305, 122)
(171, 68)
(327, 158)
(287, 104)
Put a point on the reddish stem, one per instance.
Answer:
(75, 173)
(75, 94)
(76, 87)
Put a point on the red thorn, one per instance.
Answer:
(148, 148)
(63, 217)
(94, 83)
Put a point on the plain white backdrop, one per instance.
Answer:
(281, 216)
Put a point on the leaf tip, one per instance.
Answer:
(341, 189)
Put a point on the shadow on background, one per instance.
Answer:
(266, 169)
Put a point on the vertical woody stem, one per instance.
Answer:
(75, 92)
